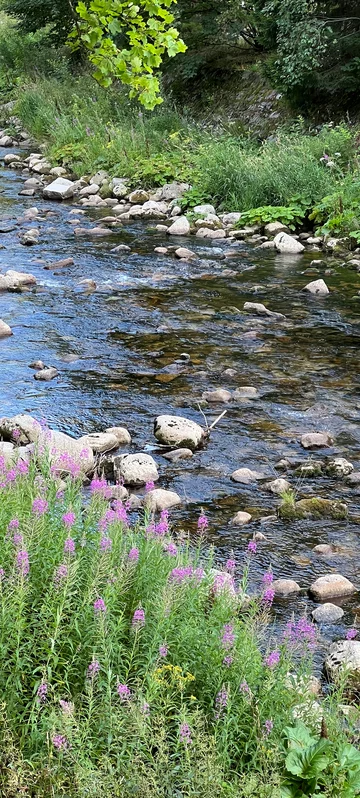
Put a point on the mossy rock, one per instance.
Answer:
(105, 191)
(314, 508)
(309, 470)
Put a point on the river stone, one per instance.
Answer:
(240, 519)
(121, 434)
(28, 427)
(64, 450)
(172, 191)
(220, 395)
(138, 197)
(288, 245)
(207, 232)
(331, 586)
(88, 191)
(325, 549)
(261, 310)
(178, 454)
(158, 499)
(273, 228)
(313, 440)
(317, 287)
(135, 469)
(10, 157)
(285, 587)
(327, 613)
(37, 365)
(30, 238)
(180, 227)
(344, 654)
(7, 451)
(339, 467)
(100, 441)
(245, 392)
(4, 329)
(58, 171)
(46, 374)
(178, 431)
(246, 476)
(59, 189)
(12, 279)
(182, 252)
(278, 486)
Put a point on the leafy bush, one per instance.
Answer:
(129, 665)
(291, 215)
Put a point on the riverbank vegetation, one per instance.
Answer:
(133, 665)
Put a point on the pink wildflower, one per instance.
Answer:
(69, 519)
(202, 523)
(133, 555)
(124, 692)
(69, 546)
(272, 659)
(99, 606)
(40, 506)
(138, 618)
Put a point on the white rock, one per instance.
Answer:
(122, 434)
(100, 441)
(178, 431)
(59, 189)
(64, 451)
(10, 157)
(261, 310)
(344, 654)
(207, 232)
(339, 467)
(178, 454)
(313, 440)
(246, 476)
(6, 141)
(138, 197)
(158, 499)
(278, 486)
(88, 191)
(285, 587)
(11, 280)
(331, 586)
(8, 452)
(181, 252)
(245, 392)
(220, 395)
(231, 218)
(180, 227)
(327, 613)
(240, 519)
(46, 374)
(288, 245)
(4, 328)
(28, 427)
(317, 287)
(273, 228)
(203, 210)
(136, 469)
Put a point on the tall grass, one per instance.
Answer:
(129, 665)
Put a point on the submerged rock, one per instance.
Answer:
(327, 613)
(331, 586)
(315, 507)
(261, 310)
(220, 395)
(178, 431)
(246, 392)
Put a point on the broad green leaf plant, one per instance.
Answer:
(127, 41)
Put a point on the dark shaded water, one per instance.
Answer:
(112, 347)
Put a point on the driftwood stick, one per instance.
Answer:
(217, 419)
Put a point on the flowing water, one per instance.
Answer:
(116, 347)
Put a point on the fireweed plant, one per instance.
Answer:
(130, 663)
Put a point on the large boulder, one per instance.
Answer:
(203, 210)
(66, 454)
(135, 469)
(12, 280)
(158, 499)
(180, 227)
(59, 189)
(288, 245)
(5, 330)
(178, 431)
(344, 655)
(121, 433)
(331, 586)
(273, 228)
(27, 429)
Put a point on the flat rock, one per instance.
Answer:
(278, 486)
(100, 441)
(183, 252)
(325, 549)
(135, 469)
(327, 613)
(285, 587)
(261, 310)
(12, 280)
(317, 287)
(158, 499)
(59, 189)
(178, 454)
(287, 245)
(121, 433)
(331, 586)
(60, 264)
(178, 431)
(245, 392)
(354, 479)
(5, 330)
(46, 374)
(208, 232)
(180, 227)
(314, 440)
(240, 519)
(220, 395)
(246, 476)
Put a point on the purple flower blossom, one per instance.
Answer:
(301, 633)
(268, 727)
(69, 519)
(120, 512)
(22, 563)
(98, 486)
(16, 434)
(163, 650)
(138, 618)
(105, 543)
(133, 555)
(13, 524)
(272, 659)
(108, 518)
(93, 669)
(268, 578)
(178, 575)
(221, 702)
(40, 506)
(351, 634)
(60, 742)
(18, 539)
(69, 546)
(185, 734)
(228, 660)
(99, 606)
(61, 573)
(42, 692)
(149, 486)
(244, 688)
(230, 565)
(171, 549)
(202, 523)
(67, 707)
(22, 467)
(11, 475)
(252, 547)
(198, 574)
(145, 709)
(268, 596)
(223, 583)
(124, 692)
(228, 637)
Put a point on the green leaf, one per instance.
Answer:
(308, 763)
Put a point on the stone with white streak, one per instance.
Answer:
(317, 287)
(287, 245)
